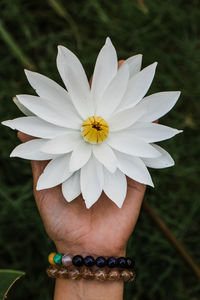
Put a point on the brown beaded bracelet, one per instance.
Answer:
(55, 271)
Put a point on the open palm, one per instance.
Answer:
(102, 229)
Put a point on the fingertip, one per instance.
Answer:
(120, 62)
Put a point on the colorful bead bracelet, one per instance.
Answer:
(59, 271)
(89, 261)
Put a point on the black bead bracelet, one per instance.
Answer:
(89, 261)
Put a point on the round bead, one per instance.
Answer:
(87, 273)
(130, 262)
(121, 262)
(58, 259)
(77, 260)
(125, 275)
(50, 258)
(89, 261)
(101, 261)
(101, 275)
(114, 275)
(67, 260)
(111, 262)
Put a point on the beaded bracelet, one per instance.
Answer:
(59, 271)
(89, 261)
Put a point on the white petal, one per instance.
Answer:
(134, 63)
(80, 155)
(134, 168)
(126, 142)
(113, 93)
(157, 105)
(35, 126)
(124, 119)
(48, 89)
(105, 155)
(92, 180)
(66, 58)
(62, 144)
(115, 186)
(163, 161)
(79, 96)
(55, 173)
(151, 132)
(71, 187)
(22, 107)
(31, 150)
(50, 112)
(104, 71)
(137, 87)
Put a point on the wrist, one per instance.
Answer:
(82, 289)
(85, 250)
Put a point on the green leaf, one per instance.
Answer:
(7, 279)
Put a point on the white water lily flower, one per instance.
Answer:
(95, 136)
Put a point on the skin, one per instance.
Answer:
(104, 229)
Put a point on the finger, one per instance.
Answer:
(37, 169)
(132, 204)
(136, 191)
(135, 188)
(24, 137)
(120, 62)
(131, 207)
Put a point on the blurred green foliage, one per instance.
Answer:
(164, 31)
(7, 279)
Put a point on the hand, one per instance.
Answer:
(103, 229)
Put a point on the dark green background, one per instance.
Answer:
(164, 31)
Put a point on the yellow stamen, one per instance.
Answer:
(95, 130)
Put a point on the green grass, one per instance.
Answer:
(165, 31)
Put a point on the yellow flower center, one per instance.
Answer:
(95, 130)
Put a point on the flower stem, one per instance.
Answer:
(142, 6)
(172, 239)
